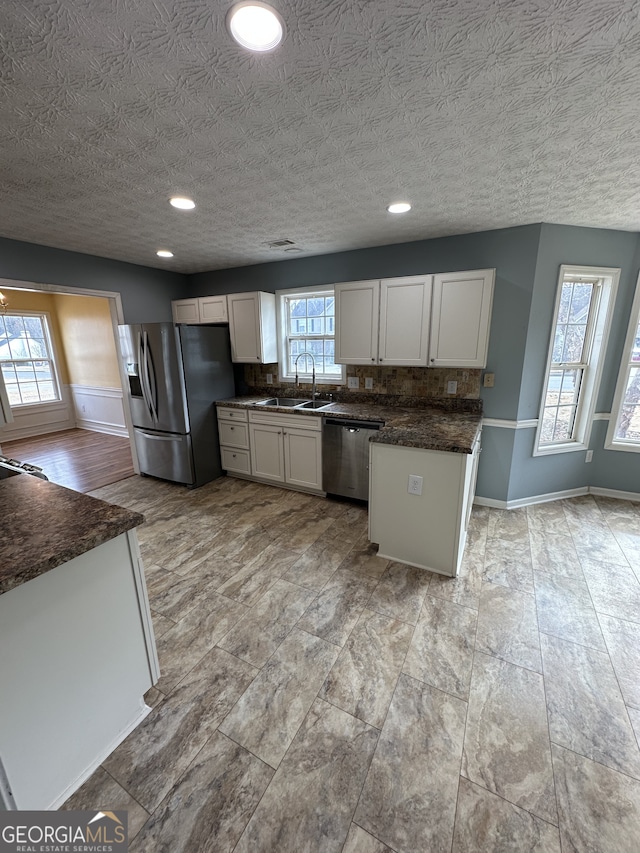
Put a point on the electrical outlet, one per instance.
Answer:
(452, 386)
(269, 378)
(489, 379)
(589, 456)
(414, 486)
(353, 382)
(368, 383)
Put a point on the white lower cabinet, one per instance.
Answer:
(267, 452)
(427, 530)
(284, 449)
(233, 432)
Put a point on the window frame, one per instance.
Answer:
(626, 363)
(281, 316)
(597, 334)
(52, 358)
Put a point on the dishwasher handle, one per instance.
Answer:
(353, 424)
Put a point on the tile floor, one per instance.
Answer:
(316, 698)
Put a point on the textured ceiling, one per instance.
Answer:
(483, 113)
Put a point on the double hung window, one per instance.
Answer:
(26, 359)
(581, 321)
(307, 320)
(624, 424)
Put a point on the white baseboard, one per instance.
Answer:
(99, 426)
(614, 493)
(99, 409)
(557, 496)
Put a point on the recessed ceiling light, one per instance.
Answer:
(164, 253)
(255, 25)
(399, 207)
(182, 203)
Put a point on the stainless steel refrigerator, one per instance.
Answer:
(176, 373)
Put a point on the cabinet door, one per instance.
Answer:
(213, 309)
(244, 327)
(185, 311)
(303, 458)
(267, 458)
(405, 306)
(357, 313)
(460, 318)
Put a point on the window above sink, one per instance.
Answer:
(306, 324)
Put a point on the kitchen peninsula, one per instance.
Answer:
(423, 466)
(77, 651)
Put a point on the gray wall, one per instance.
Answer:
(146, 292)
(564, 244)
(527, 262)
(512, 251)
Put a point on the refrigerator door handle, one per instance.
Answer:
(150, 377)
(160, 437)
(141, 363)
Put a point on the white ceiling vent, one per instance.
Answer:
(284, 243)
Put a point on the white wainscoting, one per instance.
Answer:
(43, 418)
(99, 409)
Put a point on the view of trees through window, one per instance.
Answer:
(311, 328)
(25, 360)
(569, 360)
(628, 426)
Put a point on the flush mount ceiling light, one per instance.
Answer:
(182, 203)
(399, 207)
(255, 25)
(164, 253)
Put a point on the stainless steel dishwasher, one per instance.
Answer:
(345, 456)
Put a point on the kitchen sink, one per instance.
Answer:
(282, 401)
(293, 403)
(314, 404)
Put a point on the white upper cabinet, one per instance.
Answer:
(213, 309)
(205, 309)
(252, 324)
(357, 314)
(383, 322)
(405, 307)
(460, 318)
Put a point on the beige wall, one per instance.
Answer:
(89, 346)
(21, 300)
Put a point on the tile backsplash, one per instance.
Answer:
(405, 381)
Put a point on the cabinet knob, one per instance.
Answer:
(433, 359)
(381, 360)
(234, 455)
(373, 359)
(232, 428)
(284, 432)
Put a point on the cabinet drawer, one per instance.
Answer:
(232, 414)
(235, 460)
(234, 435)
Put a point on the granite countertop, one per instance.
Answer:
(437, 426)
(43, 525)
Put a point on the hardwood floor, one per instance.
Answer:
(75, 458)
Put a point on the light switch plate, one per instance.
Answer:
(368, 383)
(269, 378)
(353, 382)
(488, 380)
(452, 386)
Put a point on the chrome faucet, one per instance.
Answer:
(313, 373)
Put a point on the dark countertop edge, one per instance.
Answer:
(469, 420)
(107, 522)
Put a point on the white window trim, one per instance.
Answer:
(592, 374)
(40, 406)
(611, 442)
(281, 321)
